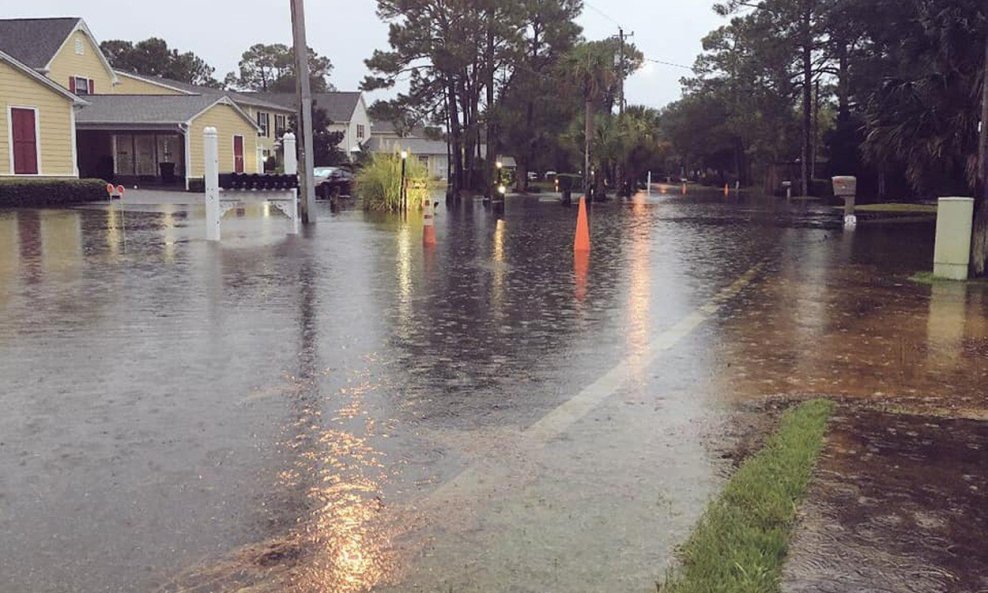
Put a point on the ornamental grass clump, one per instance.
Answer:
(379, 182)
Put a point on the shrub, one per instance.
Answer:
(379, 182)
(28, 193)
(197, 185)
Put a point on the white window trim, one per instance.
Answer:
(88, 92)
(37, 138)
(265, 130)
(80, 46)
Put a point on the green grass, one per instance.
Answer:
(741, 542)
(928, 279)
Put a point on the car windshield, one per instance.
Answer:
(323, 171)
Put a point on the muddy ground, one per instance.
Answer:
(898, 504)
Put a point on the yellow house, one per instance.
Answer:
(37, 123)
(158, 139)
(62, 49)
(128, 128)
(271, 118)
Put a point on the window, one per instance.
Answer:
(280, 125)
(82, 86)
(80, 46)
(360, 132)
(264, 121)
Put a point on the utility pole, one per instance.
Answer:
(622, 37)
(806, 174)
(303, 88)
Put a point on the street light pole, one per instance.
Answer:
(303, 90)
(402, 195)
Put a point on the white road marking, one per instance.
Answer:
(568, 413)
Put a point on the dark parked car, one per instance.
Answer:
(333, 182)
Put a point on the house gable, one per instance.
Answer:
(80, 56)
(21, 88)
(230, 121)
(130, 84)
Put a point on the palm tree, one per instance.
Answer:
(590, 66)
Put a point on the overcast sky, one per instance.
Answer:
(348, 31)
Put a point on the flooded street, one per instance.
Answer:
(347, 411)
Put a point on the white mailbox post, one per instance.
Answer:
(847, 187)
(952, 255)
(220, 201)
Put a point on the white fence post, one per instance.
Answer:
(291, 154)
(211, 178)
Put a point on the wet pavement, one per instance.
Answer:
(344, 411)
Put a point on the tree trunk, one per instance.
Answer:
(807, 33)
(843, 84)
(588, 132)
(979, 245)
(492, 146)
(456, 141)
(524, 167)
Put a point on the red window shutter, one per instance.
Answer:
(92, 86)
(72, 84)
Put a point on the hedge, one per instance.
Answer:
(28, 193)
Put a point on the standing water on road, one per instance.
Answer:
(348, 411)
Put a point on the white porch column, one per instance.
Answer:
(291, 154)
(211, 177)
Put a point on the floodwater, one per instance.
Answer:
(347, 411)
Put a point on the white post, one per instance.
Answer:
(291, 154)
(955, 218)
(211, 178)
(649, 183)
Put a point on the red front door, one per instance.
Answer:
(25, 141)
(238, 154)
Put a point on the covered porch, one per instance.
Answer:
(145, 157)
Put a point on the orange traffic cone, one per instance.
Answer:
(429, 230)
(582, 242)
(581, 265)
(727, 190)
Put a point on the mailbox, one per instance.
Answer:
(845, 186)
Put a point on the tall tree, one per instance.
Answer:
(325, 143)
(271, 67)
(592, 68)
(153, 57)
(803, 24)
(533, 113)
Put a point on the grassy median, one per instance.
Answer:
(740, 543)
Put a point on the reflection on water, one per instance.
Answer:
(945, 326)
(500, 267)
(404, 368)
(639, 323)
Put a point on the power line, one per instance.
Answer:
(601, 13)
(670, 64)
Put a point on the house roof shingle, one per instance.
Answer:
(34, 42)
(194, 89)
(339, 106)
(147, 110)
